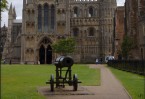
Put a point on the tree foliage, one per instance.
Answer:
(3, 5)
(127, 46)
(64, 46)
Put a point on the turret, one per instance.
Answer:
(23, 15)
(14, 13)
(10, 22)
(10, 9)
(24, 3)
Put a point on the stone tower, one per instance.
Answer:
(119, 19)
(107, 10)
(11, 17)
(131, 28)
(92, 26)
(39, 30)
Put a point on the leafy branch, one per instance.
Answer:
(64, 46)
(4, 5)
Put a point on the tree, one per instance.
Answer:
(3, 5)
(127, 46)
(64, 46)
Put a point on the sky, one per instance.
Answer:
(18, 6)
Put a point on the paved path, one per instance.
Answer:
(110, 88)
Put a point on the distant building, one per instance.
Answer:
(131, 26)
(135, 26)
(12, 48)
(44, 22)
(141, 27)
(119, 33)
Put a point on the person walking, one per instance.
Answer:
(97, 61)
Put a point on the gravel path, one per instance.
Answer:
(110, 88)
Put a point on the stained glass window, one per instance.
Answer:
(46, 17)
(91, 12)
(39, 18)
(52, 16)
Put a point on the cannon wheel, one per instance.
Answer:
(75, 82)
(52, 82)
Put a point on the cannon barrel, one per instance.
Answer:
(63, 61)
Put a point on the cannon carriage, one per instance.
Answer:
(63, 74)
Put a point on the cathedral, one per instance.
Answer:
(89, 22)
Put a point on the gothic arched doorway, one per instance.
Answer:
(42, 55)
(49, 55)
(45, 51)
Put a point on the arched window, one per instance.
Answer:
(52, 16)
(46, 40)
(46, 17)
(63, 12)
(91, 31)
(39, 18)
(91, 12)
(58, 11)
(76, 12)
(28, 11)
(75, 32)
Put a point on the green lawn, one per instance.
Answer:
(132, 82)
(22, 81)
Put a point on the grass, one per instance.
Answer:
(88, 76)
(134, 83)
(22, 81)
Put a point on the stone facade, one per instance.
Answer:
(134, 10)
(119, 27)
(12, 45)
(131, 28)
(141, 27)
(44, 22)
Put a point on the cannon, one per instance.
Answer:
(63, 74)
(63, 61)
